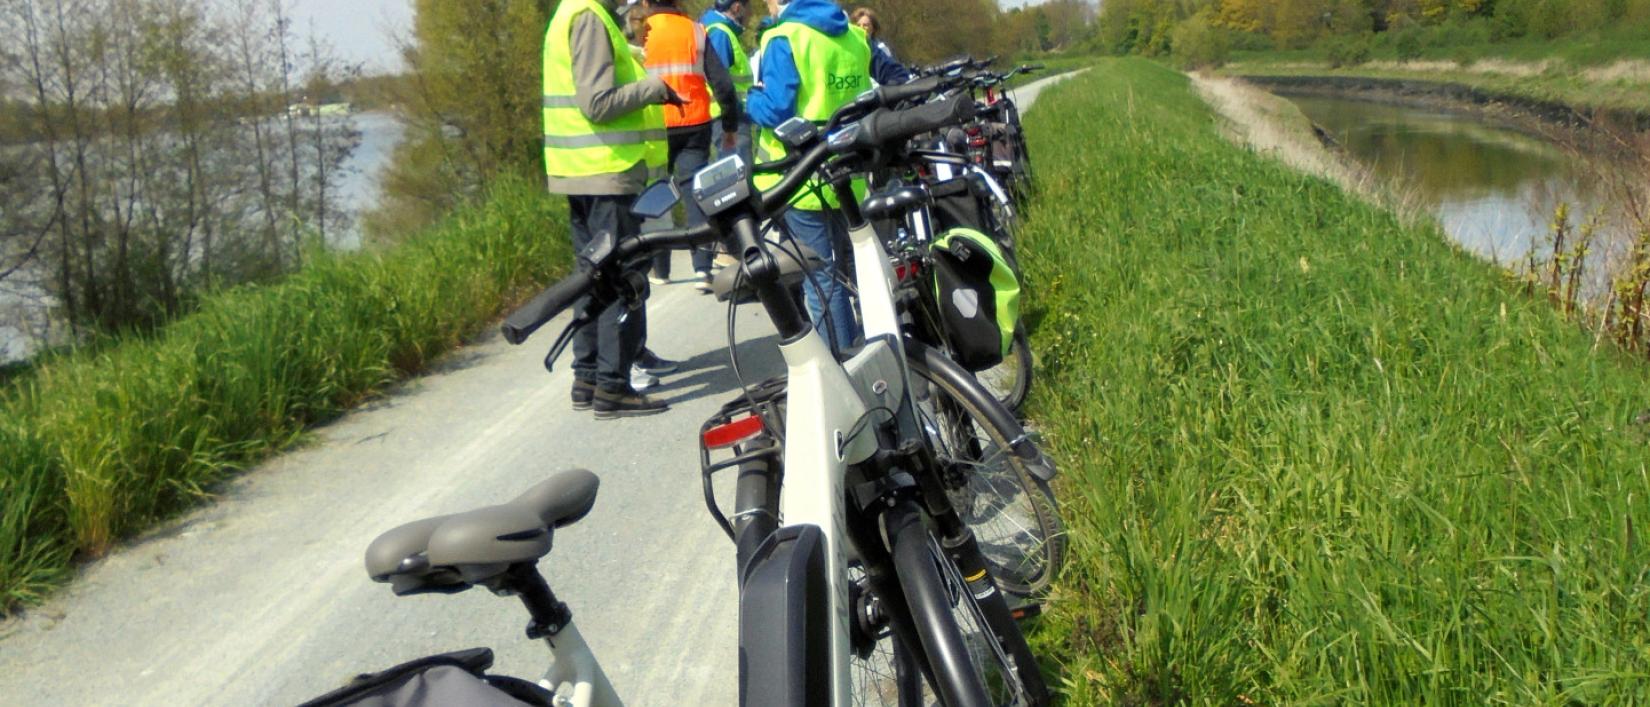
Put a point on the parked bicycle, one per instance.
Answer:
(849, 546)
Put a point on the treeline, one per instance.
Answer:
(151, 150)
(1203, 31)
(471, 100)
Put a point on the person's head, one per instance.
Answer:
(867, 20)
(735, 9)
(654, 4)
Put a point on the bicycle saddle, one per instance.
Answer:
(450, 553)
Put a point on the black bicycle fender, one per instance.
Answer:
(784, 621)
(966, 385)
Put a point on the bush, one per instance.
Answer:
(1347, 51)
(1408, 44)
(1198, 44)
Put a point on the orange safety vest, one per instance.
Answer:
(676, 53)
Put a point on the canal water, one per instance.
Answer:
(1494, 189)
(24, 309)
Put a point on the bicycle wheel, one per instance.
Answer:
(885, 673)
(968, 660)
(1009, 508)
(1010, 381)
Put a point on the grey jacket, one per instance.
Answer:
(600, 99)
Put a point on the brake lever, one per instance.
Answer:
(565, 338)
(631, 289)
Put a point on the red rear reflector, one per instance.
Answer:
(904, 270)
(724, 436)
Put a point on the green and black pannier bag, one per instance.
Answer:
(977, 295)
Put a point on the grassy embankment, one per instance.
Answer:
(1309, 454)
(96, 447)
(1587, 74)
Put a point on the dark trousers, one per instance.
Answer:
(689, 151)
(604, 350)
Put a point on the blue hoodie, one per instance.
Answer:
(774, 101)
(719, 42)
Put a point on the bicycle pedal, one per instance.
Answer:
(1026, 611)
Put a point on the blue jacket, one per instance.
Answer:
(886, 70)
(719, 42)
(774, 100)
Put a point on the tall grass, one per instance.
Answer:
(1311, 454)
(98, 446)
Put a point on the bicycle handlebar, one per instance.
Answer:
(879, 128)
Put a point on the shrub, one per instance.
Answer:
(1197, 43)
(1347, 51)
(1407, 44)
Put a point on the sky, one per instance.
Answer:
(360, 30)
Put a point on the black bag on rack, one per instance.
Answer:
(457, 678)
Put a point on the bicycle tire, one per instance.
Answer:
(1010, 381)
(969, 664)
(1011, 510)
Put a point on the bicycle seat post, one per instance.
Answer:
(549, 615)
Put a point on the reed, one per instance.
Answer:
(99, 445)
(1312, 453)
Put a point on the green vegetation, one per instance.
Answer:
(1311, 454)
(1349, 32)
(99, 445)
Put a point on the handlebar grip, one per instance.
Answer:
(549, 303)
(894, 95)
(885, 126)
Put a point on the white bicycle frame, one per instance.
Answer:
(827, 399)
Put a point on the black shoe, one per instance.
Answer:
(584, 394)
(652, 363)
(613, 403)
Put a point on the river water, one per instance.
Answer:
(25, 310)
(1494, 189)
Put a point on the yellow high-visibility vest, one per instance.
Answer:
(834, 71)
(740, 71)
(574, 146)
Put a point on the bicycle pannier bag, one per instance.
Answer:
(448, 679)
(978, 297)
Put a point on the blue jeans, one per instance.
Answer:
(822, 233)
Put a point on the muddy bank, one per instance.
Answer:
(1517, 111)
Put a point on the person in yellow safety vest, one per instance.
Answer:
(724, 22)
(675, 48)
(813, 62)
(604, 133)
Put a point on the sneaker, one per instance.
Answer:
(614, 403)
(583, 393)
(655, 364)
(703, 280)
(726, 260)
(658, 279)
(640, 379)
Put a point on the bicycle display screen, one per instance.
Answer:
(721, 185)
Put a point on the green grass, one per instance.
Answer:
(95, 447)
(1561, 68)
(1310, 455)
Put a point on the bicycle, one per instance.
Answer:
(861, 485)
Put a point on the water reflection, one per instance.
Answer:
(25, 308)
(1494, 189)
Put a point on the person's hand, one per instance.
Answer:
(673, 99)
(730, 140)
